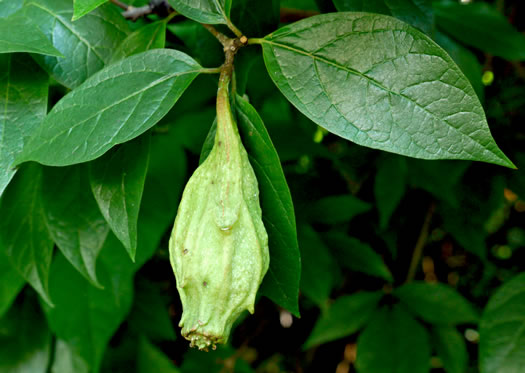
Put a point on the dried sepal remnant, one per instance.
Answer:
(219, 246)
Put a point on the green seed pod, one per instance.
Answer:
(219, 246)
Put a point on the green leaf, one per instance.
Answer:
(73, 218)
(151, 36)
(86, 44)
(318, 267)
(502, 329)
(83, 7)
(117, 181)
(436, 303)
(389, 186)
(66, 360)
(482, 26)
(23, 99)
(203, 11)
(151, 359)
(417, 13)
(393, 342)
(25, 340)
(113, 106)
(336, 209)
(8, 7)
(344, 317)
(23, 233)
(11, 283)
(26, 38)
(356, 255)
(396, 91)
(451, 348)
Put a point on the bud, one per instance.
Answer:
(219, 246)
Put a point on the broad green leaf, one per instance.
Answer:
(393, 342)
(117, 181)
(23, 103)
(83, 7)
(8, 7)
(436, 303)
(389, 186)
(113, 106)
(204, 11)
(86, 44)
(482, 26)
(73, 218)
(346, 315)
(318, 267)
(23, 232)
(380, 83)
(25, 340)
(502, 329)
(11, 283)
(151, 359)
(356, 255)
(417, 13)
(190, 130)
(451, 348)
(19, 34)
(149, 315)
(336, 209)
(66, 360)
(151, 36)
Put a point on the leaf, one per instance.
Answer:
(482, 26)
(356, 255)
(318, 267)
(390, 186)
(86, 44)
(203, 11)
(344, 317)
(393, 342)
(396, 91)
(451, 348)
(23, 99)
(117, 181)
(151, 359)
(73, 218)
(11, 283)
(113, 106)
(417, 13)
(336, 209)
(8, 7)
(151, 36)
(83, 7)
(502, 329)
(436, 303)
(66, 360)
(23, 233)
(25, 340)
(26, 38)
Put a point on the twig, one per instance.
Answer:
(120, 4)
(223, 39)
(161, 7)
(420, 244)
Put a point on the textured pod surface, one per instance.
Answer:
(219, 246)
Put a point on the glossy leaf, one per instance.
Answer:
(117, 181)
(86, 44)
(83, 7)
(116, 105)
(26, 38)
(345, 316)
(337, 209)
(436, 303)
(390, 186)
(25, 340)
(11, 283)
(410, 99)
(482, 26)
(66, 360)
(151, 359)
(73, 218)
(378, 353)
(356, 255)
(502, 329)
(151, 36)
(203, 11)
(23, 232)
(8, 7)
(23, 99)
(451, 348)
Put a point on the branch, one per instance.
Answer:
(420, 244)
(160, 7)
